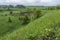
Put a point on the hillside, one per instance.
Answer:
(48, 25)
(5, 25)
(12, 20)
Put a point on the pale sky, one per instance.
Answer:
(30, 2)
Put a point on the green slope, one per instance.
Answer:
(37, 29)
(7, 27)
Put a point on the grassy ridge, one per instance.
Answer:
(37, 29)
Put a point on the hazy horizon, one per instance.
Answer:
(31, 2)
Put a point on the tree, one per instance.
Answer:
(37, 13)
(26, 20)
(57, 7)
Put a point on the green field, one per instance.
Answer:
(31, 23)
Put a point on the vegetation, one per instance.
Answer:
(38, 13)
(26, 20)
(9, 20)
(29, 23)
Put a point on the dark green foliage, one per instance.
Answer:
(19, 18)
(9, 20)
(1, 15)
(57, 7)
(51, 8)
(11, 12)
(1, 10)
(26, 20)
(37, 13)
(5, 14)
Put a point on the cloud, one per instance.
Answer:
(30, 2)
(47, 0)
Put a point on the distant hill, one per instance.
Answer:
(12, 6)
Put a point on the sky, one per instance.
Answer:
(30, 2)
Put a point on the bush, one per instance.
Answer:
(37, 13)
(11, 12)
(9, 19)
(26, 20)
(5, 14)
(19, 18)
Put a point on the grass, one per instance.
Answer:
(5, 26)
(37, 29)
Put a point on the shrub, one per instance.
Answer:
(9, 19)
(19, 18)
(11, 12)
(5, 14)
(37, 13)
(26, 20)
